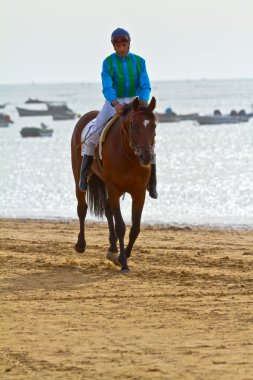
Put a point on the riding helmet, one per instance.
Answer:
(120, 35)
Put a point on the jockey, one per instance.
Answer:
(124, 77)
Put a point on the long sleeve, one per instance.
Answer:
(145, 87)
(107, 83)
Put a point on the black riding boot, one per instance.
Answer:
(85, 168)
(152, 183)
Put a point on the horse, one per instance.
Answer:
(126, 165)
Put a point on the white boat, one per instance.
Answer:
(221, 119)
(59, 111)
(172, 118)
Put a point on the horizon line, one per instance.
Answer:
(99, 82)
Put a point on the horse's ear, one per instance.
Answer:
(136, 104)
(152, 104)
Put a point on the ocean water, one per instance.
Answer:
(205, 173)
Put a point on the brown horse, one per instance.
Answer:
(127, 153)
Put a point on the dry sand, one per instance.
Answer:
(184, 312)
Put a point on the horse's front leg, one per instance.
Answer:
(137, 207)
(81, 212)
(112, 235)
(120, 228)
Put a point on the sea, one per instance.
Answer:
(204, 172)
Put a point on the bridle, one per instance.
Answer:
(136, 148)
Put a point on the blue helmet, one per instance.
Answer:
(120, 35)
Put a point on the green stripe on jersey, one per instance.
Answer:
(131, 74)
(121, 80)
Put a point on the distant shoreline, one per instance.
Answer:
(99, 83)
(158, 226)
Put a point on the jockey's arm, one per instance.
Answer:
(145, 87)
(107, 83)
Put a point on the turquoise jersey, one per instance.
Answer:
(125, 77)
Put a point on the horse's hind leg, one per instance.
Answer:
(81, 212)
(112, 235)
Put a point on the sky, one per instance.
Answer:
(54, 41)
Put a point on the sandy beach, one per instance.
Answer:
(184, 312)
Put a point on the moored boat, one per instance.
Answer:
(170, 118)
(59, 111)
(36, 132)
(167, 118)
(63, 116)
(189, 116)
(30, 112)
(222, 119)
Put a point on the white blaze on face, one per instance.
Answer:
(145, 123)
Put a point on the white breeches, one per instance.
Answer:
(93, 129)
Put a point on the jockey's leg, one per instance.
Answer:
(85, 168)
(91, 140)
(152, 180)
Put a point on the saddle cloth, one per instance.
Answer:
(106, 128)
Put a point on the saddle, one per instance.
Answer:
(104, 133)
(99, 146)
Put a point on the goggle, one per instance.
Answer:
(117, 40)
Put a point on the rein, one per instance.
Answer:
(129, 142)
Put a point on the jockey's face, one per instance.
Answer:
(122, 48)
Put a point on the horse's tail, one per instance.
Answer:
(96, 196)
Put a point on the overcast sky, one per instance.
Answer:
(67, 40)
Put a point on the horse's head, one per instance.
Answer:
(142, 125)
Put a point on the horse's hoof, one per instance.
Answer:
(79, 250)
(125, 271)
(116, 260)
(111, 255)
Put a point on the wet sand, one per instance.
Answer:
(184, 312)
